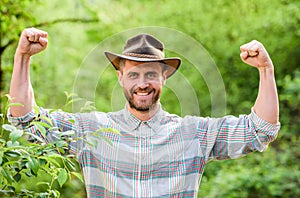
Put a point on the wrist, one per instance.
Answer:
(21, 57)
(21, 54)
(22, 61)
(269, 70)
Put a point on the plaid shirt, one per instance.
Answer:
(162, 157)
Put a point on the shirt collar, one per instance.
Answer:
(154, 122)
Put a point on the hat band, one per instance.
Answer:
(142, 55)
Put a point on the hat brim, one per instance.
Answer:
(173, 63)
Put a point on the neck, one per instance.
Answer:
(144, 115)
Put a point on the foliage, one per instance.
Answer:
(17, 15)
(271, 174)
(49, 162)
(290, 102)
(221, 27)
(14, 15)
(21, 160)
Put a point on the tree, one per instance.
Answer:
(15, 15)
(220, 26)
(19, 159)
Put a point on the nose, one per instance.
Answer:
(143, 83)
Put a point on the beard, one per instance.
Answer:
(142, 105)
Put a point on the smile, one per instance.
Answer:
(143, 93)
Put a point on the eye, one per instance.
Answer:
(151, 75)
(132, 75)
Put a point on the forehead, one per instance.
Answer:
(141, 66)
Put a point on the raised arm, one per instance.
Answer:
(266, 105)
(32, 41)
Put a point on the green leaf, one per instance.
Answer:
(15, 104)
(36, 110)
(70, 164)
(61, 151)
(10, 163)
(15, 135)
(12, 144)
(35, 136)
(62, 177)
(78, 175)
(72, 121)
(55, 155)
(42, 124)
(2, 141)
(61, 144)
(41, 129)
(12, 153)
(55, 193)
(47, 120)
(107, 140)
(33, 164)
(51, 160)
(69, 95)
(43, 183)
(91, 141)
(9, 127)
(110, 130)
(8, 96)
(6, 174)
(101, 136)
(73, 101)
(67, 133)
(1, 157)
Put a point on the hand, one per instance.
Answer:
(254, 54)
(32, 41)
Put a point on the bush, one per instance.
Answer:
(23, 163)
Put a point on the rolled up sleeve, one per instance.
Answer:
(234, 137)
(60, 121)
(266, 131)
(22, 121)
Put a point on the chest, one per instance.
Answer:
(147, 164)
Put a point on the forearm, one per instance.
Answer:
(32, 41)
(267, 105)
(20, 88)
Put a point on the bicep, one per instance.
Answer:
(230, 137)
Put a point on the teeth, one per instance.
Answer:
(142, 94)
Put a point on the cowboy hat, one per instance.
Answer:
(144, 48)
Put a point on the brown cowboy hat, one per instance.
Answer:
(144, 48)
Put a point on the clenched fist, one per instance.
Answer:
(255, 54)
(32, 41)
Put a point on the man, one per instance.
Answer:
(157, 154)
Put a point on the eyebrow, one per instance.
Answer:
(152, 72)
(131, 72)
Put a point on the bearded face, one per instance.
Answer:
(142, 84)
(142, 99)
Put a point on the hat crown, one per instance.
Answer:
(144, 46)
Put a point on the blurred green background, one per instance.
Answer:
(76, 27)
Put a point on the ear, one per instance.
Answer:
(164, 77)
(120, 76)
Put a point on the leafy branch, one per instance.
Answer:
(21, 159)
(70, 20)
(48, 23)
